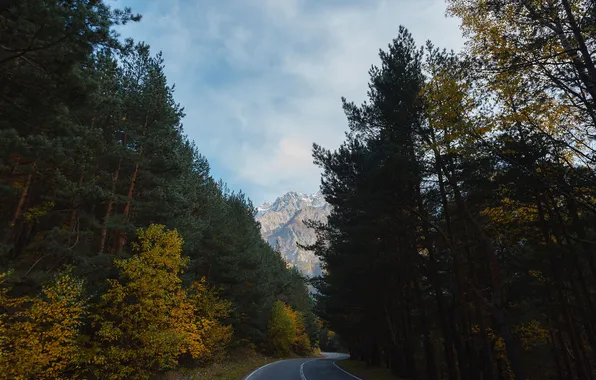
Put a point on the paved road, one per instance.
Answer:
(304, 369)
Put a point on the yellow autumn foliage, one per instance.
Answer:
(287, 331)
(521, 51)
(34, 213)
(147, 320)
(39, 335)
(281, 329)
(530, 335)
(211, 309)
(301, 344)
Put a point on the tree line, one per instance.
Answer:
(461, 242)
(115, 239)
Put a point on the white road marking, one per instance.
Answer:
(302, 376)
(260, 368)
(346, 372)
(302, 368)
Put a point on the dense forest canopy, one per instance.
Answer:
(461, 242)
(461, 239)
(119, 251)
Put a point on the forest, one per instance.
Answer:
(121, 257)
(461, 242)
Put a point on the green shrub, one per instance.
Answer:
(281, 329)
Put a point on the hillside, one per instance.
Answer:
(122, 256)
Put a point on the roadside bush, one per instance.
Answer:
(147, 320)
(302, 345)
(281, 329)
(39, 336)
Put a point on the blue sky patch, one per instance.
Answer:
(261, 80)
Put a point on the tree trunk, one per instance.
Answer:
(486, 354)
(73, 214)
(556, 270)
(375, 354)
(579, 229)
(588, 63)
(14, 234)
(126, 212)
(448, 333)
(572, 333)
(109, 207)
(584, 68)
(429, 350)
(21, 202)
(122, 235)
(411, 369)
(557, 333)
(511, 346)
(131, 188)
(581, 294)
(551, 342)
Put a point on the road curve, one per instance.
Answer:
(304, 369)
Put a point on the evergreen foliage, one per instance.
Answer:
(92, 150)
(461, 239)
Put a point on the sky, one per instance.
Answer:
(261, 80)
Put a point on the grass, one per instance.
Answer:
(237, 365)
(363, 371)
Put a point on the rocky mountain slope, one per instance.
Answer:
(282, 225)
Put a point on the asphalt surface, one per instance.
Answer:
(304, 369)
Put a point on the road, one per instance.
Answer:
(304, 369)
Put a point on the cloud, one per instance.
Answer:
(261, 80)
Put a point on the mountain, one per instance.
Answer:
(282, 225)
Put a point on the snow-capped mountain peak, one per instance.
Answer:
(282, 225)
(295, 199)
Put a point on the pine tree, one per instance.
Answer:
(461, 200)
(93, 150)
